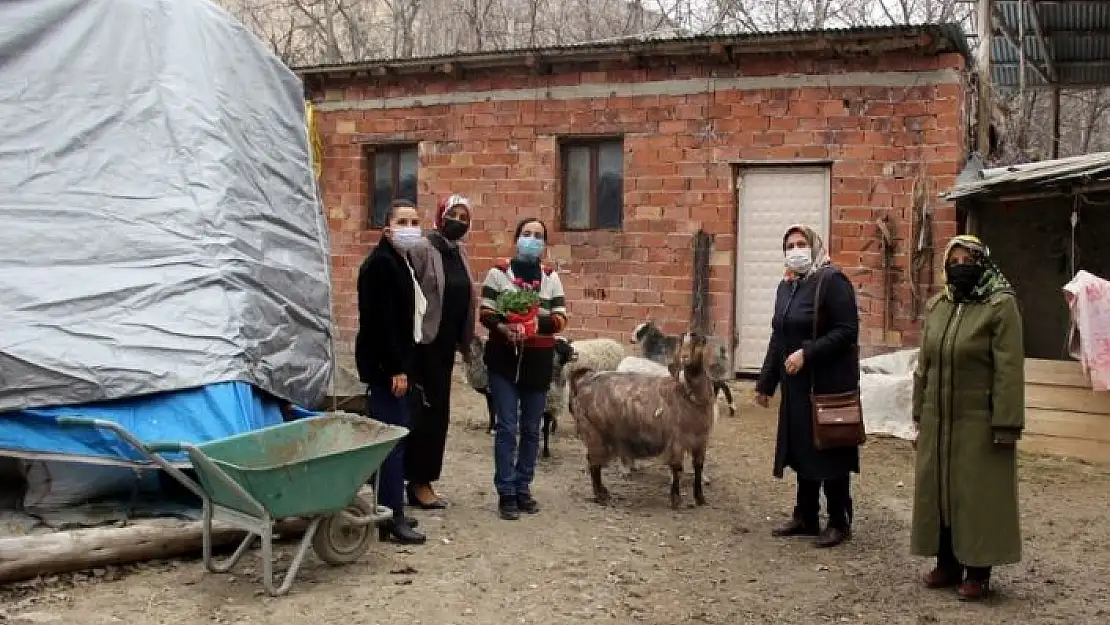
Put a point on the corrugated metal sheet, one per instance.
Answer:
(1085, 169)
(1078, 34)
(951, 36)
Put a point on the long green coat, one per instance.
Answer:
(968, 393)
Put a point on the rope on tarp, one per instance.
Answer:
(316, 143)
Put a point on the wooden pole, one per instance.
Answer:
(1055, 122)
(27, 557)
(984, 73)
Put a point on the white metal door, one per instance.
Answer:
(772, 198)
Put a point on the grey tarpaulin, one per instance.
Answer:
(159, 223)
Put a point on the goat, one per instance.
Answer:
(636, 364)
(642, 416)
(659, 347)
(477, 376)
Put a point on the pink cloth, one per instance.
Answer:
(1089, 335)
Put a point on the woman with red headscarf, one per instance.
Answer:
(444, 275)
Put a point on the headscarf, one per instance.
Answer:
(992, 281)
(447, 203)
(820, 254)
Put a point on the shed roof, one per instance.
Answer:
(933, 38)
(1075, 173)
(1066, 42)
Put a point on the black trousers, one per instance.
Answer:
(838, 501)
(431, 412)
(946, 560)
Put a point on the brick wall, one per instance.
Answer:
(679, 173)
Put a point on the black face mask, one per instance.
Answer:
(453, 229)
(964, 277)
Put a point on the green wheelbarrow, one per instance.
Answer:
(312, 468)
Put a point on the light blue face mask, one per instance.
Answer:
(406, 237)
(529, 247)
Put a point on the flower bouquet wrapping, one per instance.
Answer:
(521, 306)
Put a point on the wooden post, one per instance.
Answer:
(1055, 121)
(984, 72)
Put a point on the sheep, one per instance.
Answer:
(660, 348)
(596, 354)
(641, 416)
(477, 376)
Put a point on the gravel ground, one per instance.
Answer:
(637, 561)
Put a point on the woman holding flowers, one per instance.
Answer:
(523, 306)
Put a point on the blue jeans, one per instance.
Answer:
(513, 467)
(391, 410)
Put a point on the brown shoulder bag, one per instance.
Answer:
(837, 417)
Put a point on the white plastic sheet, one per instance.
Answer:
(886, 393)
(160, 222)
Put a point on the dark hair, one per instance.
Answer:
(398, 203)
(530, 220)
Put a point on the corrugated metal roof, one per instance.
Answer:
(1041, 175)
(949, 37)
(1077, 33)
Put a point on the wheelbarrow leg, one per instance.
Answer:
(221, 566)
(294, 566)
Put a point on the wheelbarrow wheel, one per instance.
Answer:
(339, 542)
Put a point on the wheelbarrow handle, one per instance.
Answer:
(70, 421)
(164, 447)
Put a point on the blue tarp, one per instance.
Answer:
(194, 416)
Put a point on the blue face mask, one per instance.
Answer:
(529, 247)
(406, 237)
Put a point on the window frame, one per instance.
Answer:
(370, 167)
(594, 143)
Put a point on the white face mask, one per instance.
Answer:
(406, 237)
(799, 259)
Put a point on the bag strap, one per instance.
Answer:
(822, 275)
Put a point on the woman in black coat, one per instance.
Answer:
(801, 365)
(390, 314)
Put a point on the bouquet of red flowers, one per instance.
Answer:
(521, 305)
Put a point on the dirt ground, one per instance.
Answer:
(636, 561)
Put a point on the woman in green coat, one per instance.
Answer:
(969, 406)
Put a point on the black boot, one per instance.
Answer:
(398, 530)
(838, 497)
(527, 504)
(807, 509)
(797, 527)
(508, 508)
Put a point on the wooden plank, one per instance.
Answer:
(1055, 373)
(1096, 452)
(1060, 424)
(1068, 399)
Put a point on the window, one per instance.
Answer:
(593, 184)
(392, 176)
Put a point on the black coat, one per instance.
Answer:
(384, 346)
(831, 364)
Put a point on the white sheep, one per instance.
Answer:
(596, 355)
(637, 364)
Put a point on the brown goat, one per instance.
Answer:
(632, 415)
